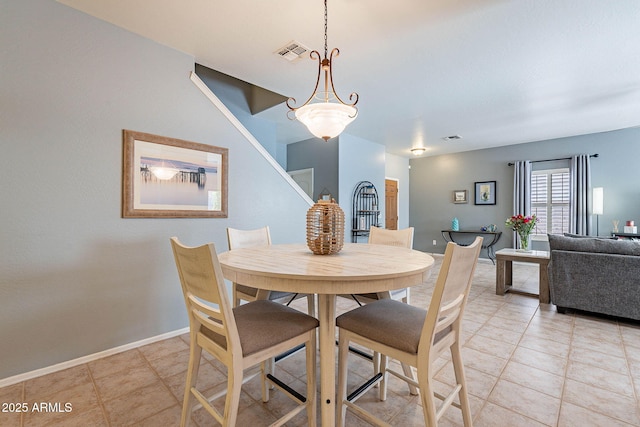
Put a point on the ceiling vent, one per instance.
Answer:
(452, 138)
(292, 51)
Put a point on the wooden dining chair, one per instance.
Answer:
(415, 337)
(401, 238)
(239, 337)
(238, 239)
(381, 236)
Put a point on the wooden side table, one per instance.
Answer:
(504, 271)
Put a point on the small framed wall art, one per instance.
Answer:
(485, 193)
(170, 178)
(460, 196)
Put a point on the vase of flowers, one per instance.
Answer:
(523, 225)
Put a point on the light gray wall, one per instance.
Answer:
(433, 180)
(75, 277)
(323, 158)
(397, 168)
(360, 160)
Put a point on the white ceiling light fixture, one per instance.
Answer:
(418, 151)
(330, 115)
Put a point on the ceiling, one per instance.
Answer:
(496, 72)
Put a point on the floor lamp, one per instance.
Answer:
(598, 206)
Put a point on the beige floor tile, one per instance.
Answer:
(526, 401)
(116, 363)
(602, 401)
(483, 362)
(50, 384)
(163, 348)
(544, 361)
(93, 418)
(501, 334)
(125, 381)
(491, 346)
(167, 418)
(64, 405)
(534, 378)
(493, 415)
(600, 360)
(575, 416)
(140, 404)
(555, 349)
(616, 382)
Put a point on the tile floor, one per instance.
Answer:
(526, 365)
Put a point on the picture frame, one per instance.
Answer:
(166, 177)
(485, 193)
(460, 196)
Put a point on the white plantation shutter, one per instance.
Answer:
(550, 195)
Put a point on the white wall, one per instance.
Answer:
(359, 160)
(75, 277)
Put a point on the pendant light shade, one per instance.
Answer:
(325, 119)
(329, 115)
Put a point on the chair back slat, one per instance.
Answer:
(450, 293)
(382, 236)
(247, 238)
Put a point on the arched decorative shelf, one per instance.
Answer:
(366, 210)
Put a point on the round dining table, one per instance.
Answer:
(357, 268)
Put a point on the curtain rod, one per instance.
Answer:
(551, 160)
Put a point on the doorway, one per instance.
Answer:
(391, 204)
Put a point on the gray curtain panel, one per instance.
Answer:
(579, 219)
(521, 191)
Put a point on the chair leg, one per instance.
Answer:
(192, 377)
(427, 397)
(458, 368)
(408, 372)
(343, 364)
(383, 370)
(264, 370)
(311, 380)
(311, 305)
(232, 403)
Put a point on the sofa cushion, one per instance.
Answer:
(593, 244)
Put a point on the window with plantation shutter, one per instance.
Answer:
(550, 200)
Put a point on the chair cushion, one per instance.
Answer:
(263, 324)
(389, 322)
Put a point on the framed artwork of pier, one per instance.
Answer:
(171, 178)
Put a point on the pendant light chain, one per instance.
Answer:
(326, 50)
(324, 119)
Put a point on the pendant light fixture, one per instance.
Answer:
(329, 115)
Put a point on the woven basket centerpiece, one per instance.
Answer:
(325, 228)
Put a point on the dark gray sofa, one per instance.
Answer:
(595, 275)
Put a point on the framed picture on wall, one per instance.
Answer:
(460, 196)
(485, 193)
(171, 178)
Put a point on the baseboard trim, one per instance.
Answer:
(89, 358)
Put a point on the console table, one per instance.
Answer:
(489, 238)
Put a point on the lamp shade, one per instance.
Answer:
(598, 201)
(326, 119)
